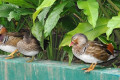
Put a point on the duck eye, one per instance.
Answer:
(74, 38)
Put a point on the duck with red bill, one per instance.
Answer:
(91, 51)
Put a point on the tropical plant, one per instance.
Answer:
(97, 23)
(59, 20)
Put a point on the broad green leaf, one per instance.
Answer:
(86, 29)
(23, 11)
(53, 19)
(14, 15)
(108, 32)
(20, 3)
(0, 1)
(105, 41)
(43, 14)
(90, 8)
(70, 54)
(81, 28)
(41, 18)
(34, 2)
(112, 24)
(37, 31)
(5, 9)
(17, 13)
(45, 3)
(3, 21)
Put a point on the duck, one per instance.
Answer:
(91, 51)
(8, 41)
(28, 46)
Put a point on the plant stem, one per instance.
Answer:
(78, 17)
(51, 47)
(111, 9)
(113, 5)
(117, 34)
(103, 10)
(62, 57)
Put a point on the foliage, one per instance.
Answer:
(90, 8)
(58, 20)
(53, 18)
(86, 29)
(45, 3)
(112, 24)
(37, 31)
(21, 3)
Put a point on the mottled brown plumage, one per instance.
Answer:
(32, 45)
(91, 51)
(97, 51)
(12, 40)
(9, 40)
(28, 46)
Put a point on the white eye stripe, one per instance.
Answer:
(1, 26)
(74, 38)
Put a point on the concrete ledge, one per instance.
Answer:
(18, 69)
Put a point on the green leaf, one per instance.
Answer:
(112, 24)
(34, 2)
(53, 19)
(37, 31)
(70, 54)
(45, 3)
(90, 9)
(81, 28)
(103, 39)
(17, 13)
(101, 27)
(86, 29)
(43, 14)
(23, 11)
(20, 3)
(14, 15)
(5, 9)
(0, 1)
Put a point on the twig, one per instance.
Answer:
(110, 9)
(113, 5)
(78, 17)
(102, 8)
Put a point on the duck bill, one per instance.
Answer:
(70, 44)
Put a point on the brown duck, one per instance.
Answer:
(91, 51)
(8, 41)
(28, 46)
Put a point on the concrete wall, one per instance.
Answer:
(18, 69)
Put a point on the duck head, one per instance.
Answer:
(78, 39)
(2, 29)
